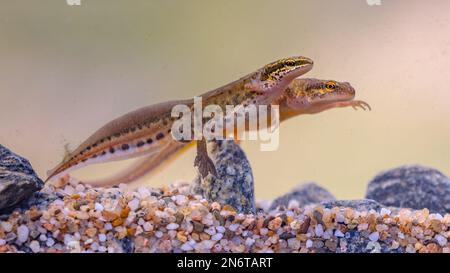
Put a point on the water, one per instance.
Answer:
(67, 70)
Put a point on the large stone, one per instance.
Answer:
(415, 187)
(234, 184)
(18, 181)
(309, 193)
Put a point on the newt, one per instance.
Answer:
(301, 97)
(146, 131)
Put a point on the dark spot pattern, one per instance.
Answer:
(159, 136)
(140, 144)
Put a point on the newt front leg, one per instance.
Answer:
(203, 161)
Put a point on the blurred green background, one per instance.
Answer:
(67, 70)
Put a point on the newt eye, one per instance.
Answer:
(330, 86)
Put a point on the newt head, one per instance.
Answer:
(310, 96)
(276, 76)
(314, 91)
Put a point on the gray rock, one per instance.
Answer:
(234, 184)
(309, 193)
(360, 204)
(414, 187)
(18, 181)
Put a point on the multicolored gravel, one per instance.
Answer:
(74, 217)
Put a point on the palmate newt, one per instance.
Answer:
(302, 96)
(147, 131)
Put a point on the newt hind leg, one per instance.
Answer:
(203, 161)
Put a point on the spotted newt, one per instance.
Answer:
(147, 131)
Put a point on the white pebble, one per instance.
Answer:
(35, 247)
(249, 242)
(309, 243)
(208, 244)
(263, 231)
(293, 243)
(159, 234)
(42, 237)
(2, 242)
(233, 227)
(340, 217)
(147, 226)
(108, 226)
(98, 207)
(102, 237)
(338, 233)
(211, 231)
(69, 190)
(80, 188)
(94, 246)
(385, 211)
(319, 230)
(22, 233)
(141, 221)
(7, 227)
(186, 247)
(172, 226)
(220, 229)
(144, 192)
(442, 241)
(102, 249)
(50, 242)
(374, 236)
(181, 200)
(217, 237)
(134, 204)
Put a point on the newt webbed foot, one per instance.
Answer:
(203, 161)
(361, 104)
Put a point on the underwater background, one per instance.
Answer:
(67, 70)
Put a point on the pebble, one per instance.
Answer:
(374, 236)
(181, 200)
(134, 204)
(50, 242)
(98, 207)
(22, 233)
(170, 219)
(211, 231)
(186, 247)
(220, 229)
(198, 227)
(34, 246)
(7, 227)
(233, 227)
(318, 230)
(172, 226)
(102, 237)
(217, 237)
(385, 212)
(441, 240)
